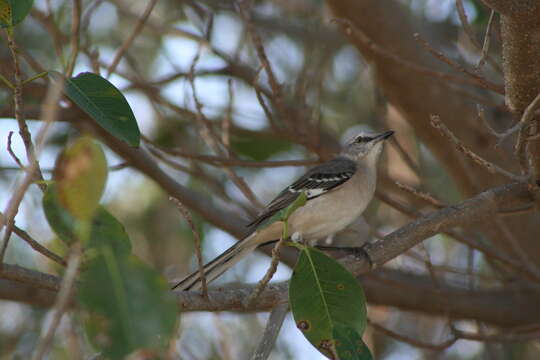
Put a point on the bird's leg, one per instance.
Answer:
(329, 239)
(297, 237)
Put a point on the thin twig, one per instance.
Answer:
(75, 35)
(533, 155)
(267, 113)
(487, 40)
(12, 153)
(186, 214)
(526, 118)
(226, 162)
(261, 285)
(456, 335)
(528, 130)
(482, 116)
(405, 157)
(277, 94)
(439, 76)
(62, 300)
(227, 119)
(443, 58)
(420, 344)
(196, 171)
(497, 338)
(7, 82)
(413, 213)
(19, 108)
(492, 168)
(36, 245)
(57, 36)
(275, 321)
(138, 27)
(470, 34)
(49, 113)
(421, 194)
(447, 268)
(214, 141)
(33, 169)
(35, 77)
(89, 11)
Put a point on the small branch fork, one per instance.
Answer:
(36, 245)
(442, 77)
(261, 285)
(32, 171)
(484, 48)
(525, 121)
(215, 142)
(489, 166)
(277, 93)
(441, 57)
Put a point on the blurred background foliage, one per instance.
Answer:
(329, 86)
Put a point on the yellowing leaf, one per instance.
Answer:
(13, 12)
(81, 175)
(5, 13)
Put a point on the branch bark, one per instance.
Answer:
(383, 287)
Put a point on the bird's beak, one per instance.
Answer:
(385, 135)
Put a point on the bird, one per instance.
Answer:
(337, 192)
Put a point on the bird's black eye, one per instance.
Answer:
(363, 139)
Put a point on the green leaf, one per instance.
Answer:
(297, 203)
(13, 12)
(104, 230)
(349, 344)
(20, 8)
(104, 103)
(323, 294)
(129, 303)
(107, 231)
(284, 214)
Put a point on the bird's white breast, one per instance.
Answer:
(335, 210)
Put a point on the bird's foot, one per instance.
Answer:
(297, 237)
(329, 239)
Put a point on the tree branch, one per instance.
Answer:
(419, 293)
(383, 287)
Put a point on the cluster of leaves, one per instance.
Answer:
(127, 305)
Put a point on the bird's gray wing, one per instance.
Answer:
(314, 183)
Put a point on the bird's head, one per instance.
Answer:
(366, 146)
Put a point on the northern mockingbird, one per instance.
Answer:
(338, 191)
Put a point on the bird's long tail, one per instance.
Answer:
(220, 264)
